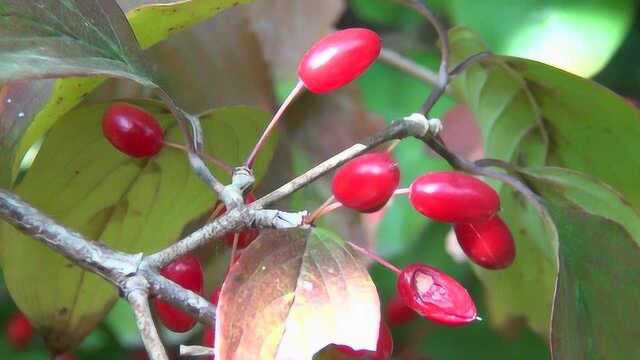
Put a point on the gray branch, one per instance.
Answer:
(137, 293)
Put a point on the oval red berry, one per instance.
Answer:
(384, 347)
(435, 295)
(338, 58)
(186, 272)
(453, 197)
(19, 331)
(367, 182)
(132, 130)
(488, 244)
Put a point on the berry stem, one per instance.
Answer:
(320, 210)
(297, 90)
(393, 145)
(375, 257)
(402, 191)
(213, 160)
(234, 248)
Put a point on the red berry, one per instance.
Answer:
(19, 331)
(208, 339)
(186, 272)
(435, 295)
(397, 312)
(384, 349)
(338, 58)
(488, 244)
(367, 182)
(132, 130)
(455, 197)
(245, 237)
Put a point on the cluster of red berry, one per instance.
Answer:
(365, 184)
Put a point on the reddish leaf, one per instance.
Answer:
(291, 294)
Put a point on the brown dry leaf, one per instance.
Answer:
(287, 28)
(291, 294)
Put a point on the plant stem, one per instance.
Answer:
(234, 248)
(209, 158)
(297, 90)
(375, 257)
(409, 66)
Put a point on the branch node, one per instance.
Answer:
(277, 219)
(431, 127)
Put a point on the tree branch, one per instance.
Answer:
(114, 266)
(408, 66)
(137, 293)
(399, 129)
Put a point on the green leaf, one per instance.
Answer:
(61, 38)
(500, 100)
(154, 23)
(133, 205)
(595, 311)
(151, 24)
(556, 114)
(385, 12)
(587, 125)
(526, 288)
(291, 294)
(534, 114)
(579, 36)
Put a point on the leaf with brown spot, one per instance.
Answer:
(292, 293)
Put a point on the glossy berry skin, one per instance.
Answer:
(132, 130)
(19, 331)
(367, 182)
(186, 272)
(398, 313)
(384, 349)
(488, 244)
(246, 237)
(338, 58)
(453, 197)
(435, 295)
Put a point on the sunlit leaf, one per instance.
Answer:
(579, 36)
(595, 311)
(291, 294)
(133, 205)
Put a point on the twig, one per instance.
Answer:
(211, 159)
(192, 129)
(114, 266)
(399, 129)
(375, 257)
(195, 350)
(408, 66)
(137, 295)
(443, 73)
